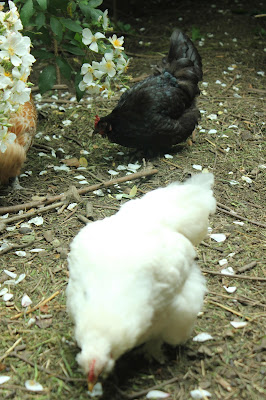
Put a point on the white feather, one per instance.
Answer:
(133, 276)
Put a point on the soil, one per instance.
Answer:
(229, 142)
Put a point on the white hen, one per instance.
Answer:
(133, 276)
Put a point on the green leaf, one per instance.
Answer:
(26, 12)
(42, 4)
(95, 3)
(73, 49)
(42, 54)
(40, 20)
(79, 93)
(64, 67)
(71, 25)
(90, 12)
(133, 191)
(47, 78)
(78, 38)
(56, 27)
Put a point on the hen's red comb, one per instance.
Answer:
(97, 119)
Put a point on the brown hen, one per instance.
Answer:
(24, 126)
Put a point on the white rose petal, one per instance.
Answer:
(228, 271)
(3, 291)
(98, 192)
(4, 379)
(112, 172)
(202, 337)
(36, 250)
(133, 167)
(36, 221)
(198, 394)
(197, 167)
(71, 206)
(239, 223)
(246, 179)
(26, 301)
(223, 261)
(212, 116)
(67, 122)
(10, 274)
(31, 321)
(121, 168)
(20, 278)
(168, 156)
(230, 289)
(218, 237)
(33, 386)
(11, 228)
(7, 296)
(157, 394)
(20, 253)
(238, 324)
(4, 216)
(212, 131)
(62, 168)
(83, 182)
(233, 183)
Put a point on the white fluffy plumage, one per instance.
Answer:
(133, 276)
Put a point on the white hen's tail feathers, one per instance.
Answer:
(182, 207)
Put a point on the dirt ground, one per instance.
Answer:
(229, 142)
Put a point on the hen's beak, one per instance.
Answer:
(91, 386)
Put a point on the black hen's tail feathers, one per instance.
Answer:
(183, 60)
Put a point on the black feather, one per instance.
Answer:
(160, 111)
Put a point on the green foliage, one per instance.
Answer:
(55, 27)
(47, 78)
(195, 33)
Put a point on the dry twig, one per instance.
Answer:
(228, 309)
(15, 246)
(10, 349)
(47, 371)
(86, 189)
(235, 215)
(29, 214)
(42, 303)
(251, 278)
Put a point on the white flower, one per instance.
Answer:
(107, 65)
(89, 39)
(122, 64)
(105, 20)
(12, 17)
(22, 73)
(5, 138)
(19, 94)
(5, 78)
(13, 46)
(92, 87)
(117, 42)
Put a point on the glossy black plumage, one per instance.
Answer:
(160, 111)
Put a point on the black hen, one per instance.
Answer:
(160, 111)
